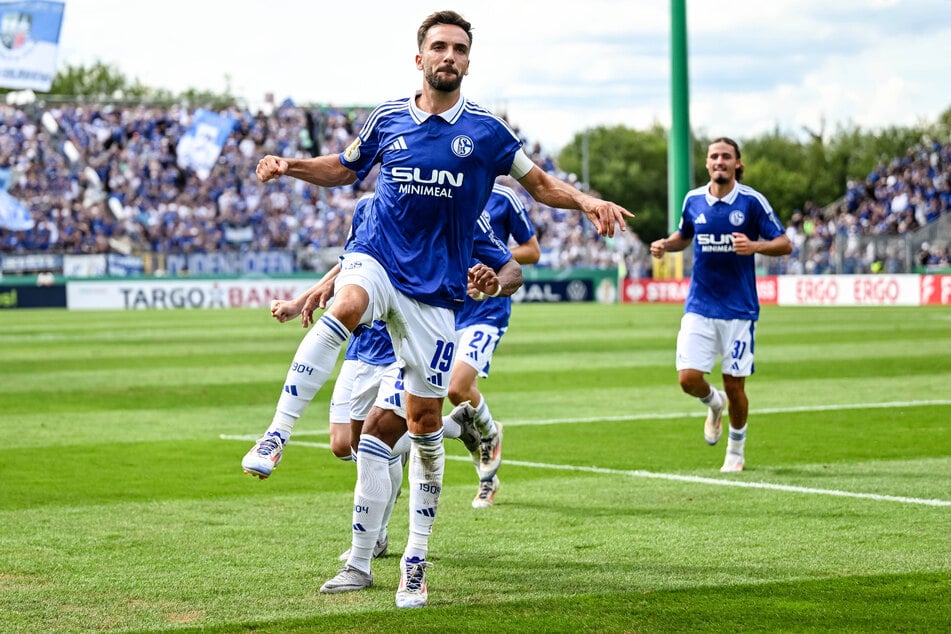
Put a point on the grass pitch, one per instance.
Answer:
(123, 507)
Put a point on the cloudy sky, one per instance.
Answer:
(553, 68)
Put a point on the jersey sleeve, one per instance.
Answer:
(685, 227)
(520, 226)
(488, 249)
(768, 223)
(361, 155)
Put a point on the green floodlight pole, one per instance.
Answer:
(680, 143)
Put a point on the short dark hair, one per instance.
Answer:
(442, 17)
(736, 146)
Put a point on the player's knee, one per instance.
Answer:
(457, 394)
(734, 386)
(424, 422)
(692, 382)
(736, 394)
(463, 385)
(350, 305)
(384, 424)
(686, 383)
(340, 447)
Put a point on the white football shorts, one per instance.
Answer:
(390, 395)
(424, 336)
(476, 344)
(702, 339)
(355, 390)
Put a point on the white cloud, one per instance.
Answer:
(555, 70)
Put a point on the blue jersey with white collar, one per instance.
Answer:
(436, 174)
(507, 216)
(723, 284)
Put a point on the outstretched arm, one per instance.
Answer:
(556, 193)
(325, 171)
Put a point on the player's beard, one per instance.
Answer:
(442, 84)
(721, 179)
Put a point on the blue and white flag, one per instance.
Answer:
(13, 214)
(201, 145)
(29, 43)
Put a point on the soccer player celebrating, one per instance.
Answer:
(439, 156)
(371, 376)
(727, 222)
(368, 358)
(385, 429)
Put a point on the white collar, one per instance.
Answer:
(728, 199)
(449, 116)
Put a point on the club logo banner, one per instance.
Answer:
(29, 43)
(200, 147)
(13, 214)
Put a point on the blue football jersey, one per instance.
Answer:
(487, 248)
(508, 218)
(370, 344)
(723, 284)
(436, 175)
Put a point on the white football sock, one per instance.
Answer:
(402, 445)
(450, 428)
(483, 420)
(313, 362)
(713, 399)
(736, 440)
(370, 498)
(427, 461)
(396, 483)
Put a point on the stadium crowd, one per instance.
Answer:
(105, 178)
(896, 198)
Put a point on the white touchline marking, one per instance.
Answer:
(694, 413)
(637, 473)
(665, 415)
(726, 481)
